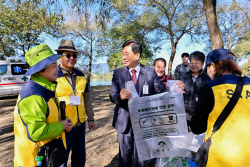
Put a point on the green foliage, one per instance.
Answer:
(160, 21)
(233, 24)
(235, 28)
(152, 22)
(23, 22)
(242, 49)
(6, 48)
(112, 42)
(246, 68)
(115, 60)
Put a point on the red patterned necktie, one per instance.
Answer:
(133, 75)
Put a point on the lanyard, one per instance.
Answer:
(72, 85)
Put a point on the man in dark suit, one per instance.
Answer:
(142, 76)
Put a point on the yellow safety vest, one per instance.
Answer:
(230, 144)
(25, 149)
(63, 92)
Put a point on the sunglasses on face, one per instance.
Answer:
(69, 55)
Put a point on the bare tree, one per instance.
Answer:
(243, 10)
(83, 28)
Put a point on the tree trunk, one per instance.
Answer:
(209, 7)
(171, 59)
(90, 62)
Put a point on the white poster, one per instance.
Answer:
(159, 124)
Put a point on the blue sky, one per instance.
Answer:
(181, 48)
(166, 48)
(165, 52)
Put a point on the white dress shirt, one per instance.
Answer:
(137, 68)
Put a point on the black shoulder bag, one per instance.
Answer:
(202, 154)
(53, 152)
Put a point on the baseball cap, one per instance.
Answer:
(218, 55)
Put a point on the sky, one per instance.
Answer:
(165, 52)
(181, 48)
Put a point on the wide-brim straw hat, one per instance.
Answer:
(66, 44)
(39, 58)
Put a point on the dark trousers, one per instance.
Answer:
(75, 140)
(126, 148)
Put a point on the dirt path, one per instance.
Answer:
(101, 143)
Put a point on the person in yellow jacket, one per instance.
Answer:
(230, 144)
(73, 89)
(36, 115)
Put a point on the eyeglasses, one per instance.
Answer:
(126, 55)
(69, 55)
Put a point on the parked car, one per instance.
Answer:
(12, 79)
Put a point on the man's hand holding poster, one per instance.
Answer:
(159, 124)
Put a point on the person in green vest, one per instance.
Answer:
(36, 115)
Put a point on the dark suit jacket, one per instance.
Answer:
(120, 76)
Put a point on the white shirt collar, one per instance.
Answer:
(137, 68)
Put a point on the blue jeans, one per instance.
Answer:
(75, 140)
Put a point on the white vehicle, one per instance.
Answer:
(12, 79)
